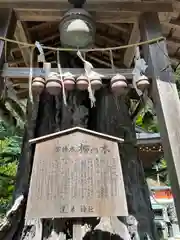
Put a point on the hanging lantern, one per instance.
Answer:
(69, 83)
(77, 29)
(142, 83)
(118, 84)
(38, 85)
(96, 83)
(53, 84)
(82, 83)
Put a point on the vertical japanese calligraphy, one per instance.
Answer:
(78, 175)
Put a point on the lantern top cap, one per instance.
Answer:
(76, 12)
(75, 129)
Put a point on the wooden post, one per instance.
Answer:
(165, 98)
(7, 28)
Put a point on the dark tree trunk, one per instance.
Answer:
(110, 116)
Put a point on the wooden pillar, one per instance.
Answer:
(165, 98)
(7, 28)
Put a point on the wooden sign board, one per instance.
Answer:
(76, 173)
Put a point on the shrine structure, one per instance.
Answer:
(128, 47)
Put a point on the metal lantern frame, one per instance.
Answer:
(74, 14)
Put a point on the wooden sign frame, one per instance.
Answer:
(76, 173)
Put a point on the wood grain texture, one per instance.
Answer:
(130, 52)
(166, 99)
(112, 117)
(76, 175)
(55, 15)
(106, 73)
(115, 6)
(21, 36)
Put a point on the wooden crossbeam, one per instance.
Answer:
(98, 60)
(92, 5)
(20, 36)
(121, 28)
(24, 72)
(105, 13)
(103, 16)
(102, 11)
(165, 98)
(164, 17)
(130, 52)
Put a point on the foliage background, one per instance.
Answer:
(10, 149)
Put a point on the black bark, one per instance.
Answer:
(110, 116)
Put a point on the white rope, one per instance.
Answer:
(25, 45)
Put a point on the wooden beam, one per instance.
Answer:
(20, 35)
(22, 94)
(174, 62)
(42, 26)
(119, 28)
(109, 39)
(7, 28)
(165, 98)
(15, 61)
(56, 16)
(92, 5)
(102, 11)
(134, 38)
(98, 60)
(24, 72)
(164, 17)
(43, 41)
